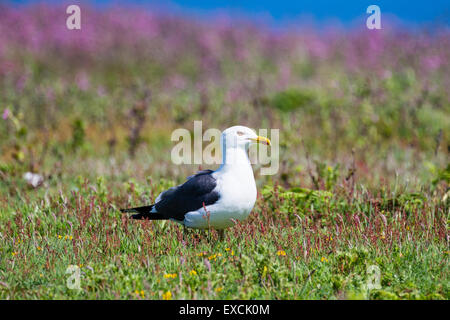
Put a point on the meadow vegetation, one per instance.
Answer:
(364, 145)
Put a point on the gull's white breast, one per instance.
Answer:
(237, 191)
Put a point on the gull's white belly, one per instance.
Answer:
(236, 186)
(235, 204)
(218, 218)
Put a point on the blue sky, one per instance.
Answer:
(277, 11)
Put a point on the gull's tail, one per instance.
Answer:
(144, 212)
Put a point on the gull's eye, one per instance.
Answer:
(240, 133)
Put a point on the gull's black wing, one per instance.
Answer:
(199, 189)
(174, 203)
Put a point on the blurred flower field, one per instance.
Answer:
(88, 114)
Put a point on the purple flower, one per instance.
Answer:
(207, 264)
(82, 81)
(6, 113)
(431, 62)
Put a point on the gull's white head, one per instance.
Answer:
(241, 137)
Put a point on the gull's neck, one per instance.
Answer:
(236, 161)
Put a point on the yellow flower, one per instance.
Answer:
(139, 293)
(59, 236)
(201, 254)
(193, 272)
(324, 259)
(407, 228)
(80, 265)
(14, 253)
(167, 295)
(264, 272)
(39, 248)
(281, 253)
(227, 249)
(219, 289)
(232, 252)
(70, 238)
(212, 257)
(170, 275)
(383, 237)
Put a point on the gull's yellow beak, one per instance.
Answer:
(262, 140)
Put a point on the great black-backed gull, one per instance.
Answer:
(212, 199)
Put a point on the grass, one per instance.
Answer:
(300, 244)
(364, 171)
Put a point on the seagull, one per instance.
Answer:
(212, 199)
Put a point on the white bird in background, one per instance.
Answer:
(212, 199)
